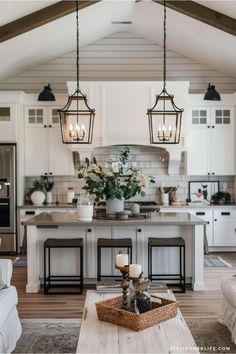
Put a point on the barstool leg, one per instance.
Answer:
(44, 270)
(99, 263)
(131, 254)
(184, 270)
(81, 269)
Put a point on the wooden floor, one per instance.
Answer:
(202, 304)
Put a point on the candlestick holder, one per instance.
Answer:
(124, 284)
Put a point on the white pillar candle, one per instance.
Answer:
(122, 260)
(135, 270)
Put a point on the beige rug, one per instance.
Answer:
(210, 335)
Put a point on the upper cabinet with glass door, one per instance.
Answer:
(7, 123)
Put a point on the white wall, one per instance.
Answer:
(120, 56)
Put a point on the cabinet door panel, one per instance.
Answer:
(197, 153)
(225, 228)
(60, 161)
(222, 151)
(35, 151)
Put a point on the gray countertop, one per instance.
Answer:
(47, 206)
(71, 219)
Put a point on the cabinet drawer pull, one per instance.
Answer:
(50, 126)
(225, 213)
(45, 126)
(139, 230)
(208, 126)
(89, 230)
(213, 173)
(215, 219)
(200, 213)
(50, 173)
(30, 212)
(208, 173)
(208, 222)
(213, 126)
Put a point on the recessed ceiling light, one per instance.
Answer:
(121, 22)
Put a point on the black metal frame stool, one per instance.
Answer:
(111, 243)
(154, 242)
(61, 281)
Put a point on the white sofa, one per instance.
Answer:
(10, 326)
(227, 314)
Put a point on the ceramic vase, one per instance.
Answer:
(85, 212)
(114, 205)
(37, 197)
(49, 198)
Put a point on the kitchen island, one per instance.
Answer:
(67, 225)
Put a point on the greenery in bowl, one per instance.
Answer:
(221, 198)
(42, 184)
(115, 181)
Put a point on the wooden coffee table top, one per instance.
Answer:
(172, 336)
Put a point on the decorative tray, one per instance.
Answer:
(101, 214)
(111, 311)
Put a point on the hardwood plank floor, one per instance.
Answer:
(202, 303)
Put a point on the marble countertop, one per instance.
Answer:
(71, 219)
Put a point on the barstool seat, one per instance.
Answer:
(166, 242)
(120, 242)
(111, 243)
(175, 242)
(56, 281)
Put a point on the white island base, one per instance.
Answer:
(66, 261)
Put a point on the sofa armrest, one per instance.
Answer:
(6, 271)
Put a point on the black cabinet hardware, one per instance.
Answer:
(50, 173)
(208, 222)
(213, 126)
(89, 230)
(215, 219)
(208, 126)
(208, 173)
(225, 213)
(139, 230)
(45, 126)
(45, 173)
(200, 213)
(213, 173)
(30, 212)
(50, 126)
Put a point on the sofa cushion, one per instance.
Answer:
(8, 300)
(228, 288)
(6, 271)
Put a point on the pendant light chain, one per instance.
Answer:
(164, 68)
(77, 43)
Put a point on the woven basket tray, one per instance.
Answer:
(111, 311)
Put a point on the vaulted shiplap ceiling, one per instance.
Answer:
(186, 36)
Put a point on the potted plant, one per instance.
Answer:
(221, 198)
(114, 183)
(40, 189)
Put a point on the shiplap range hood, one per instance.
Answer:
(121, 118)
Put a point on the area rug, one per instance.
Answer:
(20, 262)
(215, 261)
(48, 336)
(210, 336)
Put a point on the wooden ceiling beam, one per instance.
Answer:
(203, 14)
(41, 17)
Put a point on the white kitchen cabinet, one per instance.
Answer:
(7, 122)
(205, 214)
(225, 228)
(211, 141)
(45, 153)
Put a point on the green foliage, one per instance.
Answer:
(42, 184)
(221, 196)
(116, 181)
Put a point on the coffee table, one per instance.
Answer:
(172, 336)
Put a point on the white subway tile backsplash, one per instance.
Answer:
(148, 160)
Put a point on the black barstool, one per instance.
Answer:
(111, 243)
(154, 242)
(62, 281)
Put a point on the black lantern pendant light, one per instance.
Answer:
(212, 94)
(46, 94)
(164, 117)
(77, 118)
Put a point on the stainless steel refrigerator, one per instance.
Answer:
(8, 232)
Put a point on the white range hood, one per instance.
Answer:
(121, 117)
